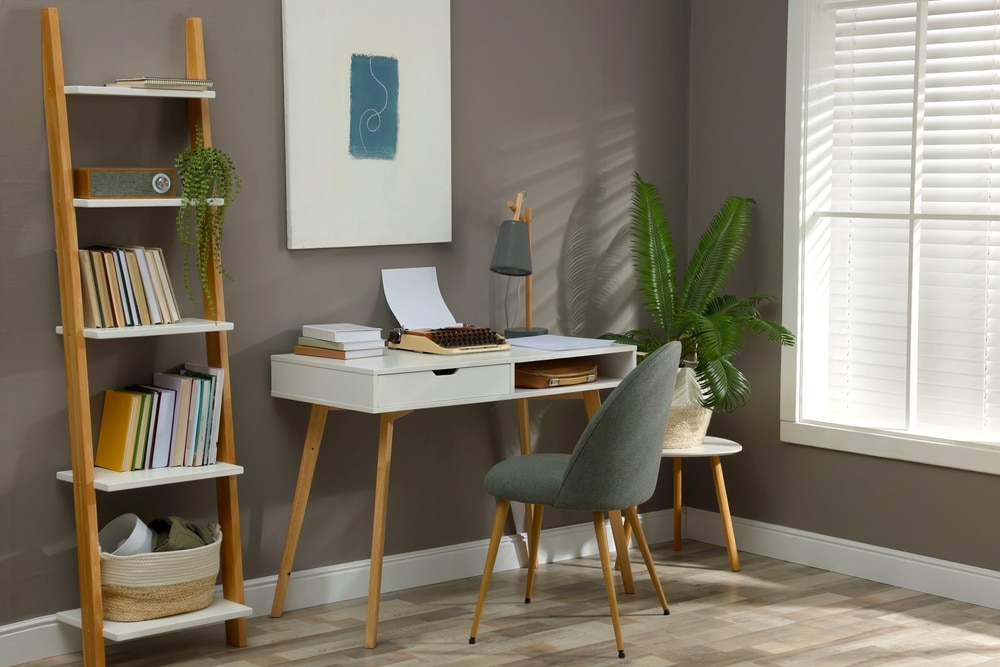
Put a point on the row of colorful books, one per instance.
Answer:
(126, 286)
(340, 341)
(173, 421)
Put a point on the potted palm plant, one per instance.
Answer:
(710, 326)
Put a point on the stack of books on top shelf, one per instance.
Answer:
(126, 286)
(173, 421)
(340, 341)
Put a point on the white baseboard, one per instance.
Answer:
(45, 637)
(947, 579)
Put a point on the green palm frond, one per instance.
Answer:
(653, 252)
(716, 253)
(711, 327)
(718, 336)
(725, 386)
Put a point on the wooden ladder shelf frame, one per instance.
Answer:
(74, 348)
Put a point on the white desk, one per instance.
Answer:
(393, 386)
(713, 448)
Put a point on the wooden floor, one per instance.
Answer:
(770, 613)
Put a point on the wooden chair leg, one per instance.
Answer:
(628, 540)
(533, 538)
(491, 558)
(621, 550)
(632, 517)
(609, 579)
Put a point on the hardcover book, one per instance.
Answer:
(337, 354)
(331, 345)
(119, 425)
(342, 333)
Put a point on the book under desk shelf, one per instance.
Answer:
(187, 325)
(111, 480)
(219, 610)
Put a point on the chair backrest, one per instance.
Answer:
(617, 459)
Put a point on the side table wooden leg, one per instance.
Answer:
(678, 503)
(378, 526)
(310, 452)
(727, 520)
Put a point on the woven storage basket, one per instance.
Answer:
(153, 585)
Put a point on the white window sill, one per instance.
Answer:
(972, 456)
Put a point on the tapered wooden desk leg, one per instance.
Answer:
(727, 520)
(378, 527)
(310, 452)
(524, 432)
(678, 503)
(592, 403)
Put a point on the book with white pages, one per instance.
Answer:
(218, 375)
(182, 411)
(149, 291)
(342, 332)
(348, 346)
(162, 428)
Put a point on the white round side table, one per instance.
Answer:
(714, 448)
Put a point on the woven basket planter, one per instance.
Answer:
(688, 419)
(154, 585)
(687, 427)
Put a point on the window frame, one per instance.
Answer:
(900, 446)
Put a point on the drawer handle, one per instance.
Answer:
(445, 371)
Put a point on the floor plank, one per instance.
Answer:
(771, 613)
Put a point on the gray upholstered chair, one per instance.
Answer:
(613, 468)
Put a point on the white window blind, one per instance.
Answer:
(898, 216)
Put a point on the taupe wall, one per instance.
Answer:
(561, 98)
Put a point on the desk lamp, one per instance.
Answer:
(512, 257)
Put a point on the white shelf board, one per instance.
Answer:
(188, 325)
(144, 202)
(220, 610)
(109, 480)
(123, 91)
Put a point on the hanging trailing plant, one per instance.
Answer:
(207, 174)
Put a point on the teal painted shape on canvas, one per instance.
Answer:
(374, 107)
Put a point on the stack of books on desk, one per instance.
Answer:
(340, 341)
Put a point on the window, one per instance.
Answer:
(892, 221)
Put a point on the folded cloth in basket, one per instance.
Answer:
(174, 533)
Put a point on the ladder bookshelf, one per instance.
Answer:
(85, 480)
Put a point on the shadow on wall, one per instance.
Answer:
(596, 282)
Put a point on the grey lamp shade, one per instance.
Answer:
(512, 255)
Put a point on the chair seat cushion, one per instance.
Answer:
(532, 478)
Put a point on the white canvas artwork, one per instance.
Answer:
(367, 122)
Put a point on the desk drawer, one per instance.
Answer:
(460, 385)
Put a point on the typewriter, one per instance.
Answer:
(449, 340)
